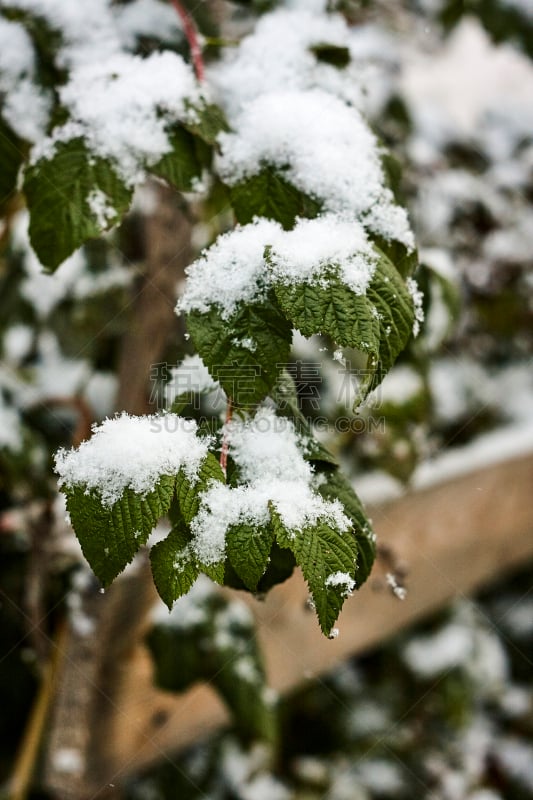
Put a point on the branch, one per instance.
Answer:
(191, 34)
(225, 441)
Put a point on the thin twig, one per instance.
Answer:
(191, 34)
(31, 743)
(225, 440)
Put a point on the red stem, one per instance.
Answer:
(191, 34)
(225, 440)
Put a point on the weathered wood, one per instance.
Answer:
(453, 537)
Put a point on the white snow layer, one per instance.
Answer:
(191, 375)
(273, 470)
(328, 151)
(17, 84)
(234, 270)
(132, 453)
(122, 105)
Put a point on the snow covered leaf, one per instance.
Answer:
(122, 480)
(206, 121)
(336, 487)
(248, 549)
(110, 535)
(321, 148)
(245, 353)
(11, 158)
(183, 165)
(328, 558)
(174, 567)
(269, 194)
(188, 490)
(72, 196)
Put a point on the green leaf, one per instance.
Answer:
(248, 549)
(182, 166)
(174, 567)
(110, 536)
(321, 551)
(268, 194)
(11, 157)
(286, 398)
(229, 658)
(379, 323)
(57, 190)
(246, 375)
(405, 261)
(279, 569)
(332, 54)
(206, 122)
(332, 308)
(188, 491)
(336, 487)
(389, 295)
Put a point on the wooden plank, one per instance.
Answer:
(453, 537)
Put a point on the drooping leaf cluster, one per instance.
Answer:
(78, 184)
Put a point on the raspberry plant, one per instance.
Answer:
(320, 245)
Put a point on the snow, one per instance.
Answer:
(431, 655)
(17, 343)
(189, 611)
(146, 18)
(190, 376)
(132, 453)
(272, 470)
(246, 670)
(123, 104)
(467, 642)
(119, 102)
(398, 591)
(326, 151)
(378, 487)
(53, 375)
(73, 278)
(341, 579)
(10, 430)
(68, 760)
(308, 252)
(471, 83)
(381, 777)
(231, 271)
(502, 444)
(100, 392)
(234, 270)
(17, 84)
(418, 299)
(101, 208)
(402, 384)
(283, 40)
(515, 757)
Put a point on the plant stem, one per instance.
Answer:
(191, 34)
(225, 440)
(26, 759)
